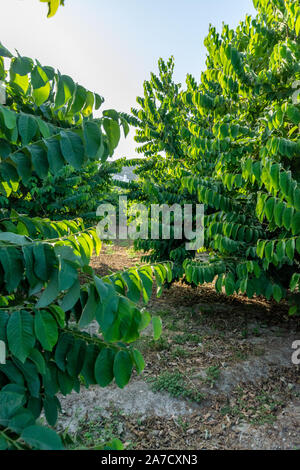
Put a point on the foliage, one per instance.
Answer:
(69, 193)
(232, 143)
(49, 293)
(176, 385)
(53, 6)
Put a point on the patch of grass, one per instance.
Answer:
(109, 250)
(259, 351)
(96, 432)
(146, 344)
(241, 356)
(180, 352)
(131, 253)
(244, 333)
(171, 326)
(161, 344)
(175, 384)
(163, 313)
(256, 331)
(212, 375)
(187, 338)
(260, 410)
(184, 425)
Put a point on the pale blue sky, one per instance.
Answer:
(112, 46)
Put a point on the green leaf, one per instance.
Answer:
(41, 268)
(37, 358)
(280, 249)
(114, 444)
(41, 95)
(277, 293)
(138, 360)
(75, 358)
(21, 65)
(145, 275)
(294, 281)
(27, 128)
(93, 138)
(46, 329)
(293, 114)
(269, 208)
(58, 314)
(21, 420)
(229, 284)
(104, 373)
(134, 285)
(65, 343)
(297, 25)
(11, 402)
(88, 313)
(54, 155)
(12, 264)
(157, 327)
(79, 99)
(113, 133)
(122, 368)
(38, 77)
(20, 334)
(88, 368)
(41, 438)
(89, 103)
(10, 118)
(71, 297)
(4, 52)
(23, 165)
(72, 149)
(290, 248)
(14, 238)
(65, 90)
(50, 293)
(31, 376)
(51, 405)
(296, 224)
(287, 217)
(39, 160)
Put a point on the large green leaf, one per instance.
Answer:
(20, 334)
(122, 368)
(104, 367)
(46, 329)
(41, 438)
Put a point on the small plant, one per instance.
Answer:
(175, 384)
(212, 375)
(187, 338)
(172, 326)
(163, 313)
(256, 331)
(180, 352)
(109, 249)
(161, 344)
(184, 425)
(93, 434)
(131, 253)
(260, 411)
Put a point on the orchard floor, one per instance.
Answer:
(220, 377)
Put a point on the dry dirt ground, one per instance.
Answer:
(220, 377)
